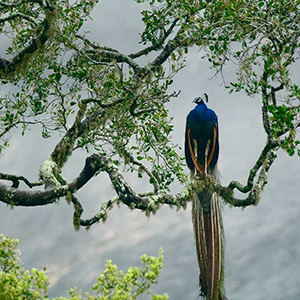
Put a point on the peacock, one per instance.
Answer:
(202, 153)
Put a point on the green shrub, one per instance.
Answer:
(16, 283)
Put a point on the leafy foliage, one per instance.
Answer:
(18, 283)
(15, 281)
(262, 39)
(108, 102)
(72, 73)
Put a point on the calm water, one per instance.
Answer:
(262, 243)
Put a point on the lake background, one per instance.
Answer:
(262, 243)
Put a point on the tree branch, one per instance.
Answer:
(109, 56)
(265, 98)
(17, 197)
(158, 45)
(93, 165)
(100, 216)
(98, 47)
(149, 202)
(64, 148)
(271, 144)
(18, 15)
(18, 3)
(100, 103)
(15, 179)
(168, 49)
(254, 195)
(8, 67)
(130, 157)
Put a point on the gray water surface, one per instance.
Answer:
(262, 243)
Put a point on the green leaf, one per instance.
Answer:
(57, 77)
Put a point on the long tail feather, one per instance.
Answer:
(207, 221)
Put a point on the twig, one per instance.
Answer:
(15, 180)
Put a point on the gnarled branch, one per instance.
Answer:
(8, 67)
(15, 179)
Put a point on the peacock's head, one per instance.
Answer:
(203, 98)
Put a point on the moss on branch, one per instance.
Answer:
(19, 63)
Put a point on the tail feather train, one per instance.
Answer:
(207, 221)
